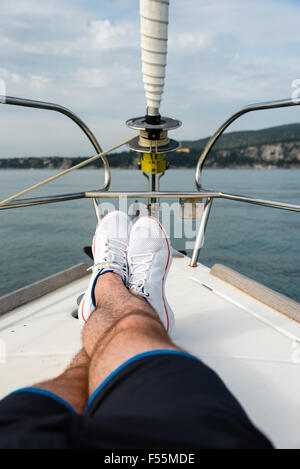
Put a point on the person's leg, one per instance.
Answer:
(156, 395)
(48, 414)
(72, 384)
(121, 327)
(145, 391)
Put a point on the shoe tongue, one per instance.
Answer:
(116, 248)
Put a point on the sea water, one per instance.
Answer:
(262, 243)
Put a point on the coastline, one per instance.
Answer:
(171, 168)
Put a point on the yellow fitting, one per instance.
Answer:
(153, 163)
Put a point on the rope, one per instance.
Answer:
(56, 176)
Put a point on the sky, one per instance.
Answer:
(85, 55)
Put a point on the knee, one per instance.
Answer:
(135, 323)
(138, 321)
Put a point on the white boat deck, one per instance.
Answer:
(255, 349)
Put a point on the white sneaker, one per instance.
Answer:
(149, 260)
(110, 245)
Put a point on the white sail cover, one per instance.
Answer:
(154, 40)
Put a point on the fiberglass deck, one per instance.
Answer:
(252, 347)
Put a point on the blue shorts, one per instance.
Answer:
(161, 399)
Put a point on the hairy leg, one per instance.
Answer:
(113, 302)
(72, 384)
(121, 327)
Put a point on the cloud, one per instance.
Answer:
(9, 76)
(92, 77)
(106, 36)
(39, 81)
(99, 35)
(30, 81)
(112, 77)
(85, 55)
(188, 42)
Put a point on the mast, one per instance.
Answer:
(153, 141)
(154, 46)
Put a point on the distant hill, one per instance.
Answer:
(275, 147)
(245, 138)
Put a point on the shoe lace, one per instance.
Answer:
(115, 257)
(140, 264)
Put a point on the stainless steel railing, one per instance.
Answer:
(145, 195)
(252, 107)
(63, 110)
(208, 195)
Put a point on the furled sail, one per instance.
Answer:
(154, 40)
